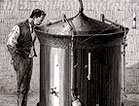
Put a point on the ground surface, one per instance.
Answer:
(10, 100)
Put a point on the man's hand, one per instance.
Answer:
(11, 49)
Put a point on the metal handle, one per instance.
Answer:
(89, 66)
(103, 19)
(65, 18)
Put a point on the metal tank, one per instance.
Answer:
(80, 61)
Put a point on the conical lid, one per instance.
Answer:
(81, 25)
(83, 29)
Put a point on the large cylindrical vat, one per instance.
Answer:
(104, 85)
(80, 63)
(54, 76)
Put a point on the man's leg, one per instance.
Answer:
(26, 82)
(23, 69)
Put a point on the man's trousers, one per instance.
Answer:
(23, 68)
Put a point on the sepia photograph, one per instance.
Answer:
(69, 53)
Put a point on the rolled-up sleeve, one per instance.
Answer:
(13, 36)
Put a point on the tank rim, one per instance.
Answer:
(93, 35)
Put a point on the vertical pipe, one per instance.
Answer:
(72, 72)
(89, 66)
(134, 20)
(124, 46)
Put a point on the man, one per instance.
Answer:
(21, 47)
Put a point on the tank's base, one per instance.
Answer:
(38, 104)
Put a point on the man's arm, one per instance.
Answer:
(12, 40)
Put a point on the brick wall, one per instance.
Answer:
(13, 11)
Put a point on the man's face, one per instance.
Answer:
(38, 20)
